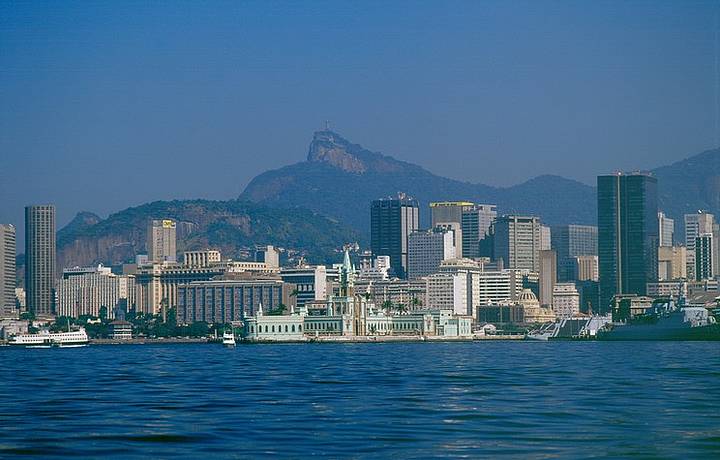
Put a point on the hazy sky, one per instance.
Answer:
(104, 105)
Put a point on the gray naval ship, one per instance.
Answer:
(665, 321)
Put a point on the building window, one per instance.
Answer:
(286, 328)
(293, 328)
(300, 327)
(273, 328)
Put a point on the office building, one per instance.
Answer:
(499, 286)
(312, 283)
(375, 269)
(449, 215)
(40, 259)
(585, 268)
(570, 241)
(392, 221)
(566, 300)
(704, 257)
(476, 222)
(666, 229)
(7, 271)
(446, 291)
(161, 240)
(94, 291)
(224, 301)
(545, 238)
(627, 234)
(467, 273)
(518, 241)
(672, 263)
(696, 224)
(426, 249)
(269, 255)
(201, 258)
(548, 276)
(157, 284)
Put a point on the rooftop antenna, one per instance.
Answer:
(327, 125)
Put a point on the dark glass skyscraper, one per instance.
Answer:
(627, 234)
(40, 259)
(391, 222)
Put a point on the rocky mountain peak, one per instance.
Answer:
(329, 147)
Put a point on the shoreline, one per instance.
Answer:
(308, 340)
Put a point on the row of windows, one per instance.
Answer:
(279, 328)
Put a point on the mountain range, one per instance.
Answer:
(340, 179)
(313, 207)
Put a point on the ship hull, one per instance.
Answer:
(658, 332)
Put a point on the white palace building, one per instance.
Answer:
(352, 315)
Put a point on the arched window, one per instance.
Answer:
(300, 327)
(286, 328)
(273, 328)
(252, 328)
(266, 328)
(293, 328)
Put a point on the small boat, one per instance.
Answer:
(46, 339)
(228, 339)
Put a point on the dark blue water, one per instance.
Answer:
(515, 399)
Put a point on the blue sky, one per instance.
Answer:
(105, 105)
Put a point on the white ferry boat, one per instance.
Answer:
(228, 339)
(46, 339)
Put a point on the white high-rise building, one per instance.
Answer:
(468, 272)
(87, 291)
(499, 286)
(447, 291)
(666, 230)
(161, 241)
(566, 300)
(545, 238)
(695, 225)
(7, 271)
(426, 249)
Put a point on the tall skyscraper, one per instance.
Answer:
(695, 225)
(545, 238)
(517, 241)
(627, 234)
(704, 257)
(7, 271)
(40, 259)
(161, 240)
(392, 220)
(476, 222)
(666, 227)
(473, 223)
(449, 214)
(548, 276)
(427, 249)
(571, 241)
